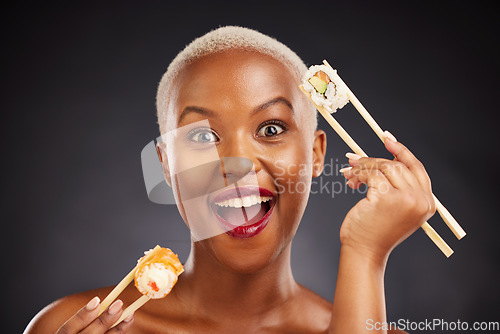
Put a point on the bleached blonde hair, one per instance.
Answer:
(222, 39)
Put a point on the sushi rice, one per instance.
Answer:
(157, 276)
(156, 280)
(335, 96)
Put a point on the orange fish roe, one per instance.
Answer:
(153, 286)
(156, 276)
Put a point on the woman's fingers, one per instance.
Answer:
(405, 156)
(397, 202)
(395, 172)
(373, 178)
(82, 318)
(405, 173)
(106, 319)
(86, 320)
(123, 326)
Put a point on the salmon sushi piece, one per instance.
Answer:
(157, 276)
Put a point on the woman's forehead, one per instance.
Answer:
(235, 78)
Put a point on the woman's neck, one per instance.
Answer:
(207, 285)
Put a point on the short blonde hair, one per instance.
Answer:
(222, 39)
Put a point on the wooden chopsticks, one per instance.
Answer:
(443, 212)
(122, 285)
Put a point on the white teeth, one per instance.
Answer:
(244, 201)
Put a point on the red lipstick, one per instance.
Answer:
(243, 222)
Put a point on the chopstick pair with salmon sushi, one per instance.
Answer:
(155, 275)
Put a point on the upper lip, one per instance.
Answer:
(241, 191)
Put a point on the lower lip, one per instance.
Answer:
(246, 231)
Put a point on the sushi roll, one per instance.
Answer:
(157, 276)
(319, 81)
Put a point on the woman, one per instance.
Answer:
(232, 97)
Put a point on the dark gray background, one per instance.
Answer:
(77, 106)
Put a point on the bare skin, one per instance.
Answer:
(233, 285)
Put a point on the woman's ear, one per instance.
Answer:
(319, 151)
(161, 149)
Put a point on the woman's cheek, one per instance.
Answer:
(292, 182)
(292, 174)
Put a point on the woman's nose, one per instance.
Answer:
(235, 168)
(238, 158)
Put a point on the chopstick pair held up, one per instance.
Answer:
(443, 212)
(447, 217)
(433, 235)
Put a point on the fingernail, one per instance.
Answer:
(352, 156)
(345, 169)
(115, 307)
(129, 318)
(91, 305)
(390, 136)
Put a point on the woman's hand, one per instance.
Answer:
(398, 201)
(87, 321)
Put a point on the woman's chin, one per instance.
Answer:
(246, 263)
(251, 256)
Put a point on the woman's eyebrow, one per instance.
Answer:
(273, 102)
(198, 110)
(209, 113)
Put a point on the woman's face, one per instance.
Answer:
(242, 137)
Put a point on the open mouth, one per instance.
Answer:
(243, 212)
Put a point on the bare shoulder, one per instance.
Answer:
(396, 331)
(314, 301)
(315, 312)
(54, 315)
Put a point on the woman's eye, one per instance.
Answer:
(270, 130)
(204, 136)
